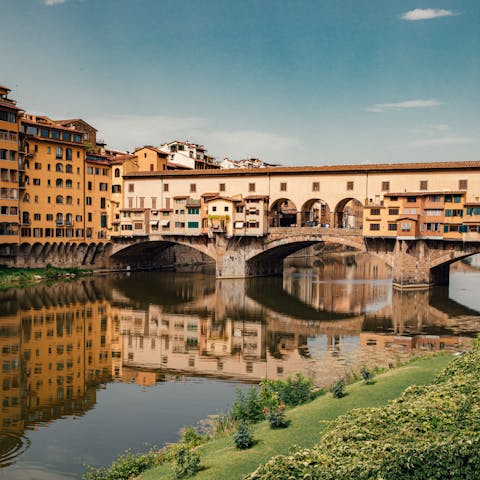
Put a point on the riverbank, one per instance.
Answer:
(220, 459)
(22, 277)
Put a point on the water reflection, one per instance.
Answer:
(61, 343)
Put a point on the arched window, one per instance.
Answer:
(59, 199)
(59, 183)
(68, 184)
(68, 153)
(59, 219)
(69, 219)
(68, 200)
(26, 197)
(59, 167)
(117, 172)
(68, 168)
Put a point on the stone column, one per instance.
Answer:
(411, 264)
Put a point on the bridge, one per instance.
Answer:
(414, 263)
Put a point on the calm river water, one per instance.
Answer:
(96, 366)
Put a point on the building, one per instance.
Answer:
(245, 163)
(11, 165)
(52, 198)
(189, 155)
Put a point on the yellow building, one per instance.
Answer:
(52, 192)
(10, 160)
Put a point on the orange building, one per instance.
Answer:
(10, 160)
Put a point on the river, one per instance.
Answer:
(97, 365)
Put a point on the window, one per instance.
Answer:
(88, 200)
(68, 154)
(411, 199)
(251, 187)
(283, 187)
(192, 224)
(103, 202)
(103, 187)
(374, 227)
(55, 134)
(68, 168)
(462, 184)
(36, 181)
(193, 188)
(38, 166)
(116, 173)
(59, 167)
(405, 226)
(193, 211)
(131, 187)
(59, 199)
(349, 185)
(374, 211)
(154, 202)
(89, 216)
(214, 209)
(49, 217)
(434, 198)
(59, 183)
(385, 186)
(141, 201)
(68, 200)
(37, 216)
(221, 187)
(165, 187)
(316, 186)
(393, 211)
(59, 153)
(392, 227)
(68, 184)
(423, 185)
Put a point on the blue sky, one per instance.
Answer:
(296, 82)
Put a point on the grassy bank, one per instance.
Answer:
(21, 277)
(221, 460)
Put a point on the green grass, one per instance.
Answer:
(221, 460)
(20, 277)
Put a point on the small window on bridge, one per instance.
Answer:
(374, 226)
(283, 186)
(251, 187)
(462, 184)
(423, 185)
(385, 186)
(316, 186)
(349, 185)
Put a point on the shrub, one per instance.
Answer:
(192, 437)
(367, 376)
(276, 416)
(243, 437)
(187, 462)
(248, 406)
(126, 466)
(338, 389)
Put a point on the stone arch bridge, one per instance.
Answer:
(414, 263)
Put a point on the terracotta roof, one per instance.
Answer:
(164, 209)
(180, 197)
(210, 194)
(177, 166)
(327, 169)
(229, 199)
(119, 159)
(72, 120)
(472, 204)
(155, 149)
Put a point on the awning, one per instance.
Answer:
(238, 225)
(154, 223)
(165, 223)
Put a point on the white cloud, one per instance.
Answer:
(49, 3)
(431, 129)
(441, 141)
(125, 132)
(426, 14)
(385, 107)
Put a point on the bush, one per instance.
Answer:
(187, 462)
(126, 466)
(192, 437)
(276, 416)
(338, 389)
(367, 376)
(248, 407)
(243, 437)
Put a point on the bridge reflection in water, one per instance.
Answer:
(60, 343)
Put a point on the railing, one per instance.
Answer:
(315, 231)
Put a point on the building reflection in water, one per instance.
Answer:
(60, 343)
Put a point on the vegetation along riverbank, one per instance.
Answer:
(219, 458)
(21, 277)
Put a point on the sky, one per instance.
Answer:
(294, 82)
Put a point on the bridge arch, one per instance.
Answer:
(269, 261)
(283, 213)
(316, 212)
(145, 254)
(349, 213)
